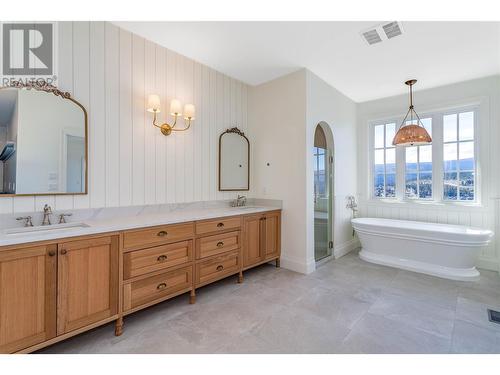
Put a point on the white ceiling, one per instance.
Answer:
(435, 53)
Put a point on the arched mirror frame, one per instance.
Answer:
(234, 130)
(42, 85)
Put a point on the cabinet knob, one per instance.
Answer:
(52, 253)
(161, 286)
(220, 267)
(161, 258)
(220, 225)
(220, 244)
(162, 233)
(64, 252)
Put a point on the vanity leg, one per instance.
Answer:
(240, 277)
(277, 262)
(119, 326)
(192, 297)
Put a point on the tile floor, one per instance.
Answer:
(346, 306)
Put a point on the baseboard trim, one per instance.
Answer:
(346, 247)
(488, 264)
(297, 265)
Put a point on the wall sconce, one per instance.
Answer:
(175, 110)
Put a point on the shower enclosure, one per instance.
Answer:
(323, 177)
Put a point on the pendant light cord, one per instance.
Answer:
(411, 111)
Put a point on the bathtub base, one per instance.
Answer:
(460, 274)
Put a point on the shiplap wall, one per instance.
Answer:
(111, 72)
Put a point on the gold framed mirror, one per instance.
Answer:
(43, 141)
(234, 161)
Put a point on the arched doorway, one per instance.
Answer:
(323, 154)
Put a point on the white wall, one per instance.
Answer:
(277, 117)
(485, 91)
(325, 103)
(111, 72)
(283, 116)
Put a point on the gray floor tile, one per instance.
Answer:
(476, 313)
(377, 334)
(431, 318)
(470, 338)
(346, 306)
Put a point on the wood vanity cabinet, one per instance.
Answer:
(27, 297)
(87, 287)
(52, 291)
(261, 242)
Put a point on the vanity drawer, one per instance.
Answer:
(157, 235)
(216, 268)
(156, 287)
(140, 262)
(217, 225)
(217, 244)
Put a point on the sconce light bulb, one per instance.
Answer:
(153, 103)
(175, 107)
(189, 111)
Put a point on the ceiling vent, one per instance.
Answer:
(372, 37)
(380, 33)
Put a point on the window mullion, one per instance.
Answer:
(400, 173)
(437, 158)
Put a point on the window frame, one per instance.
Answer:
(437, 116)
(384, 148)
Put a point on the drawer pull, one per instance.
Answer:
(220, 267)
(161, 286)
(162, 233)
(52, 253)
(161, 258)
(64, 252)
(220, 225)
(220, 244)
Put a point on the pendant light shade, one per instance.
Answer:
(414, 132)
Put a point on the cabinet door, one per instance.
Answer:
(27, 297)
(272, 235)
(87, 282)
(252, 243)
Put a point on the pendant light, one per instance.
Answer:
(414, 133)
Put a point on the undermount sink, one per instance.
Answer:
(45, 228)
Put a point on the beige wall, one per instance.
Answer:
(277, 116)
(283, 115)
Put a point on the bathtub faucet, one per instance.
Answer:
(351, 204)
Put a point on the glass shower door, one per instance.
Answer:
(322, 204)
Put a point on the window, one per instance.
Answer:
(319, 173)
(418, 170)
(385, 161)
(443, 171)
(458, 156)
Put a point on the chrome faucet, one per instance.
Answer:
(47, 211)
(352, 204)
(239, 202)
(27, 220)
(62, 218)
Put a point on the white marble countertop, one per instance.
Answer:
(122, 221)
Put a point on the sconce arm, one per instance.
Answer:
(181, 130)
(154, 120)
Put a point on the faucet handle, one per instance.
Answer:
(47, 209)
(62, 218)
(27, 220)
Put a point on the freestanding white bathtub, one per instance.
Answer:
(443, 250)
